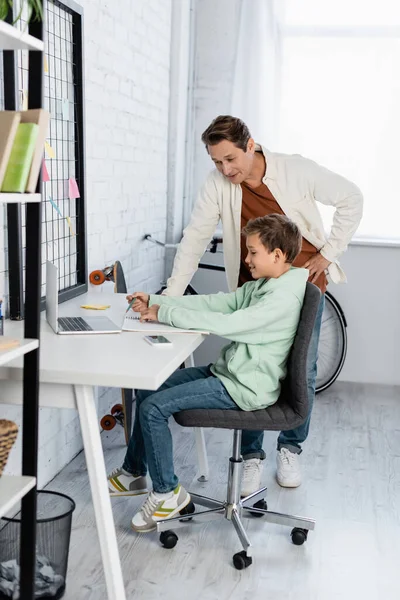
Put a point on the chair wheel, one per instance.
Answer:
(241, 560)
(299, 536)
(260, 504)
(188, 510)
(168, 539)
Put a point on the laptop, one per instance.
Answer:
(71, 325)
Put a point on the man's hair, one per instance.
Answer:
(227, 128)
(276, 231)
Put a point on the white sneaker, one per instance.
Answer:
(159, 507)
(122, 483)
(288, 472)
(251, 480)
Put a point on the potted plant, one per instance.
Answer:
(34, 8)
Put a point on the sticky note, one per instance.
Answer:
(73, 189)
(45, 173)
(95, 306)
(49, 150)
(45, 64)
(54, 205)
(68, 219)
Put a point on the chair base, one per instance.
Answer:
(232, 509)
(234, 512)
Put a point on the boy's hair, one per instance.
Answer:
(276, 231)
(227, 128)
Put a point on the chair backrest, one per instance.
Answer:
(294, 388)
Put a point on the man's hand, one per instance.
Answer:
(150, 314)
(141, 301)
(316, 265)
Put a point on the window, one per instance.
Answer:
(340, 93)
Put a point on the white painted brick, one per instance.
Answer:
(127, 55)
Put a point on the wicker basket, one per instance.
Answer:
(8, 435)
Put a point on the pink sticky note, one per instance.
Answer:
(45, 173)
(73, 188)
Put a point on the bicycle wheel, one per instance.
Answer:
(332, 346)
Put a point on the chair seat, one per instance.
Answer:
(279, 416)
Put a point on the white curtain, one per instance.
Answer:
(256, 78)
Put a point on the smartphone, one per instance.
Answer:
(157, 340)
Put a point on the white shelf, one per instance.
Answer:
(9, 354)
(12, 38)
(12, 489)
(6, 198)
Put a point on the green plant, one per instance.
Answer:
(35, 12)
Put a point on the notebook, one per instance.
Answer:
(132, 323)
(20, 161)
(9, 121)
(41, 118)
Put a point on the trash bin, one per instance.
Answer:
(54, 517)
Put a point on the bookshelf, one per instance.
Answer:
(19, 198)
(16, 488)
(12, 490)
(9, 354)
(13, 39)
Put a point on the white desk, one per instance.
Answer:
(70, 367)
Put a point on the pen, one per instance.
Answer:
(130, 305)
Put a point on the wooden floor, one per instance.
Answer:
(351, 486)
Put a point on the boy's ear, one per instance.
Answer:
(278, 255)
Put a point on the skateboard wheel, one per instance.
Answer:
(117, 408)
(97, 277)
(108, 422)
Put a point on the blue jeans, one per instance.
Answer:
(150, 446)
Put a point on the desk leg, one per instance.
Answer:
(100, 494)
(202, 458)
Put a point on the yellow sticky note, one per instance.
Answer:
(45, 64)
(49, 150)
(68, 219)
(95, 306)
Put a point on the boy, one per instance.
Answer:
(261, 320)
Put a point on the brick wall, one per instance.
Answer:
(127, 63)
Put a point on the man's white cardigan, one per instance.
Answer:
(297, 184)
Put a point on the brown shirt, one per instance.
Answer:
(258, 202)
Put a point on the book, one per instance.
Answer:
(9, 121)
(40, 117)
(132, 323)
(20, 160)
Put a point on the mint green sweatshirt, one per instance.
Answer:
(260, 318)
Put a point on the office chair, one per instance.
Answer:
(287, 413)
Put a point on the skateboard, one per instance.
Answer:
(120, 413)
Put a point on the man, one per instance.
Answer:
(250, 181)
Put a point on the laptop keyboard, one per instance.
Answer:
(74, 324)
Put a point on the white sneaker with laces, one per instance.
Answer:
(288, 472)
(122, 483)
(159, 507)
(251, 480)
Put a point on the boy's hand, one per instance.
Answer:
(141, 301)
(150, 314)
